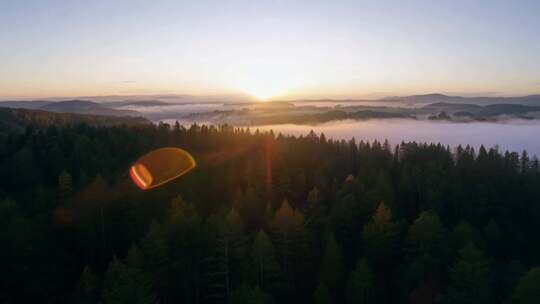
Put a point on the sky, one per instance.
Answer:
(268, 49)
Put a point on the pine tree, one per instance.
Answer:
(251, 207)
(525, 162)
(383, 189)
(463, 234)
(331, 268)
(426, 233)
(380, 234)
(527, 290)
(135, 257)
(123, 284)
(65, 184)
(88, 286)
(314, 206)
(233, 230)
(470, 277)
(492, 231)
(380, 239)
(188, 243)
(228, 257)
(362, 283)
(95, 197)
(349, 213)
(156, 256)
(264, 260)
(315, 220)
(492, 235)
(179, 208)
(507, 279)
(290, 239)
(248, 295)
(322, 295)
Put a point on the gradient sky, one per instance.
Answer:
(270, 49)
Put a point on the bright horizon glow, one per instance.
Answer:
(265, 79)
(269, 49)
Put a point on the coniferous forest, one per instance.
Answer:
(263, 218)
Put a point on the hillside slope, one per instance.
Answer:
(85, 107)
(18, 118)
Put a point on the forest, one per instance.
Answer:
(263, 218)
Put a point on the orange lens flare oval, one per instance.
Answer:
(141, 176)
(160, 166)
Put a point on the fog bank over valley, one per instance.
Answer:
(511, 123)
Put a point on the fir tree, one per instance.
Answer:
(88, 286)
(470, 277)
(264, 261)
(362, 283)
(527, 290)
(331, 269)
(248, 295)
(380, 234)
(322, 295)
(65, 184)
(123, 284)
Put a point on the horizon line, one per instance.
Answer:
(276, 99)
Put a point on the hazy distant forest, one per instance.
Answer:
(263, 218)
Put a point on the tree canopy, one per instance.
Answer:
(263, 218)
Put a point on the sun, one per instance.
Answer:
(264, 81)
(264, 89)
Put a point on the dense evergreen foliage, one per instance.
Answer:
(263, 219)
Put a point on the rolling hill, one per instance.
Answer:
(85, 107)
(69, 106)
(11, 118)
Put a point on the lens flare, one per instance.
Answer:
(161, 166)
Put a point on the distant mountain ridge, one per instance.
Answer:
(436, 106)
(26, 104)
(70, 106)
(434, 97)
(168, 98)
(86, 107)
(138, 103)
(11, 118)
(485, 110)
(532, 100)
(164, 99)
